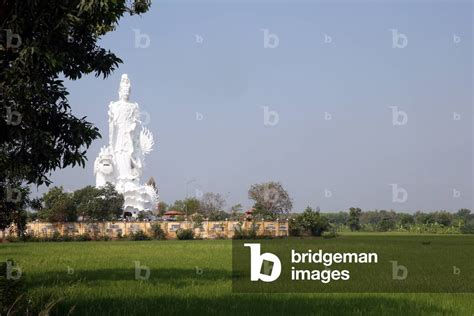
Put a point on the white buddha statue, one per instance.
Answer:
(121, 163)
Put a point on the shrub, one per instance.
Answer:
(11, 238)
(241, 233)
(104, 238)
(67, 238)
(83, 237)
(468, 228)
(185, 234)
(354, 218)
(29, 238)
(56, 236)
(198, 219)
(386, 224)
(295, 227)
(329, 234)
(311, 222)
(158, 232)
(220, 236)
(139, 235)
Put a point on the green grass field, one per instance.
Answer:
(187, 277)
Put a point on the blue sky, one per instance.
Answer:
(230, 79)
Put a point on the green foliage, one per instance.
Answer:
(29, 238)
(198, 219)
(173, 264)
(92, 204)
(433, 228)
(211, 206)
(338, 219)
(386, 224)
(14, 199)
(245, 233)
(53, 40)
(329, 234)
(162, 207)
(261, 213)
(189, 206)
(57, 237)
(354, 218)
(218, 216)
(58, 206)
(296, 227)
(271, 199)
(139, 235)
(158, 232)
(468, 227)
(84, 237)
(444, 218)
(464, 214)
(406, 220)
(309, 222)
(185, 234)
(178, 206)
(424, 218)
(57, 40)
(99, 204)
(141, 216)
(236, 211)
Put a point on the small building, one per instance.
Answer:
(248, 215)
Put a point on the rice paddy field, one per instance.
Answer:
(191, 278)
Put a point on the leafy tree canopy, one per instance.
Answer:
(42, 41)
(270, 198)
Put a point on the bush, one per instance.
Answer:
(241, 233)
(67, 238)
(468, 228)
(83, 237)
(185, 234)
(56, 236)
(139, 235)
(386, 224)
(12, 238)
(158, 232)
(295, 228)
(104, 238)
(29, 238)
(329, 234)
(220, 236)
(198, 219)
(311, 222)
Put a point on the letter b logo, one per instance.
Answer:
(256, 262)
(399, 272)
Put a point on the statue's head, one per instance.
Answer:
(124, 90)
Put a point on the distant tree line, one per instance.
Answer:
(383, 221)
(104, 204)
(270, 202)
